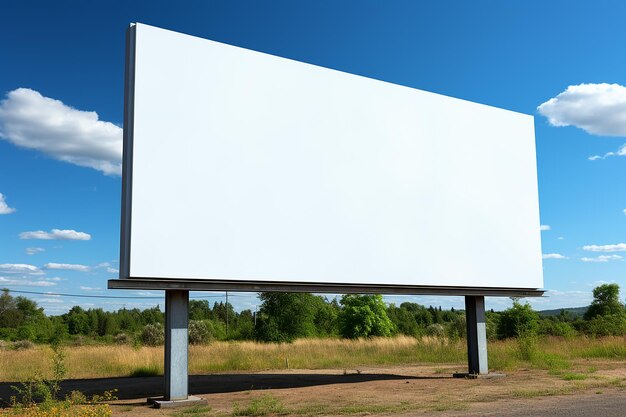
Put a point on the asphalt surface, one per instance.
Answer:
(607, 404)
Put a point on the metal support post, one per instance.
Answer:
(176, 341)
(476, 335)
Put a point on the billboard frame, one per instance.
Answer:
(177, 290)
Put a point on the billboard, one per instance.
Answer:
(240, 166)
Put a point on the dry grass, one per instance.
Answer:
(108, 361)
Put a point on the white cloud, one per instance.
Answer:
(49, 300)
(599, 109)
(109, 268)
(89, 288)
(624, 211)
(67, 267)
(26, 282)
(560, 238)
(4, 207)
(56, 234)
(619, 247)
(553, 256)
(620, 152)
(34, 251)
(544, 227)
(30, 120)
(603, 258)
(20, 269)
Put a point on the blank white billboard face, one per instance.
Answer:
(244, 166)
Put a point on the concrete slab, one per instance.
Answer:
(467, 375)
(162, 403)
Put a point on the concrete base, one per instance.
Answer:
(467, 375)
(161, 403)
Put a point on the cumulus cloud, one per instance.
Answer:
(113, 270)
(4, 207)
(67, 267)
(34, 251)
(30, 120)
(20, 269)
(618, 247)
(603, 258)
(599, 109)
(553, 256)
(56, 234)
(26, 282)
(544, 227)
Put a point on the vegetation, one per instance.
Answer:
(364, 316)
(285, 317)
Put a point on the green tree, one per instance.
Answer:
(404, 321)
(284, 317)
(364, 316)
(519, 320)
(605, 302)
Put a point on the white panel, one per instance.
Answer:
(248, 167)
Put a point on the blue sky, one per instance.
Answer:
(57, 168)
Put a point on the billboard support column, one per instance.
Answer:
(176, 344)
(476, 335)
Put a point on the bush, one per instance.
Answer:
(612, 325)
(517, 320)
(122, 339)
(556, 328)
(436, 330)
(199, 332)
(152, 335)
(23, 345)
(457, 329)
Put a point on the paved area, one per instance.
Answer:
(607, 404)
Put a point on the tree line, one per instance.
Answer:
(284, 317)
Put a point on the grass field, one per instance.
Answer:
(553, 354)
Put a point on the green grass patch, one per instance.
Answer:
(450, 406)
(194, 410)
(572, 376)
(260, 406)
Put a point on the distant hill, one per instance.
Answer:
(575, 311)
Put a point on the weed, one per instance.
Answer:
(571, 376)
(194, 410)
(260, 406)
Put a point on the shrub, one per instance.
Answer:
(23, 345)
(122, 339)
(199, 332)
(152, 335)
(556, 328)
(457, 329)
(436, 330)
(612, 325)
(517, 320)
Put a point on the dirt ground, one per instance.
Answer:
(414, 390)
(407, 390)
